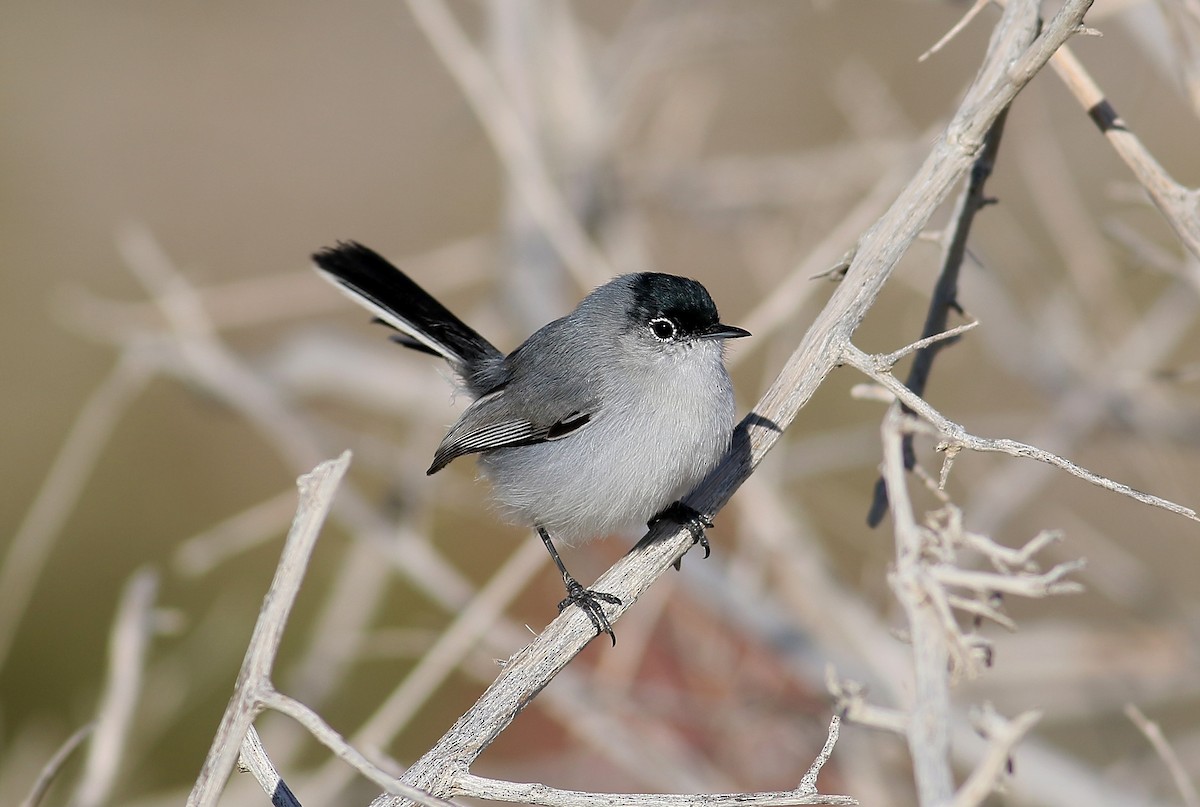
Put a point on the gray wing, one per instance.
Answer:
(549, 391)
(493, 422)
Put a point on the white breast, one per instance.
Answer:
(651, 443)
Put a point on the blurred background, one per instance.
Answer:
(172, 364)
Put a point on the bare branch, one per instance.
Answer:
(322, 731)
(252, 757)
(1024, 585)
(971, 14)
(808, 783)
(891, 359)
(497, 790)
(1179, 205)
(851, 703)
(1004, 736)
(201, 553)
(1152, 732)
(928, 725)
(958, 436)
(54, 765)
(924, 567)
(316, 497)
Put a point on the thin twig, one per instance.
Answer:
(957, 435)
(891, 359)
(54, 765)
(808, 783)
(325, 734)
(963, 22)
(1152, 732)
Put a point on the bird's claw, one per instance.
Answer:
(687, 516)
(589, 601)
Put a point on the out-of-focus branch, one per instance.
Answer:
(54, 765)
(1004, 736)
(514, 146)
(1152, 732)
(31, 546)
(127, 645)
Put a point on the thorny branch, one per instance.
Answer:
(945, 290)
(926, 564)
(957, 437)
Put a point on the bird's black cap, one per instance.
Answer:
(682, 300)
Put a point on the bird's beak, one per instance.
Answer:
(720, 331)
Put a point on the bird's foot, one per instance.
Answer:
(686, 516)
(590, 601)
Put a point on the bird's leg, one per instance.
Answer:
(686, 516)
(585, 598)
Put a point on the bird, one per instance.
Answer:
(598, 422)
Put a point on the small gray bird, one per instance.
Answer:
(599, 422)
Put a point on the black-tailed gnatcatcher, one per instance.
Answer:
(599, 422)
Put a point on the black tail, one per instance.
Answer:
(365, 277)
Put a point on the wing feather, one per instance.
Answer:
(489, 424)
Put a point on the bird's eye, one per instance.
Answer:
(663, 328)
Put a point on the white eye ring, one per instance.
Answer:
(662, 328)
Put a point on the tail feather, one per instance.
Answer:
(424, 323)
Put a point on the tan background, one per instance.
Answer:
(244, 136)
